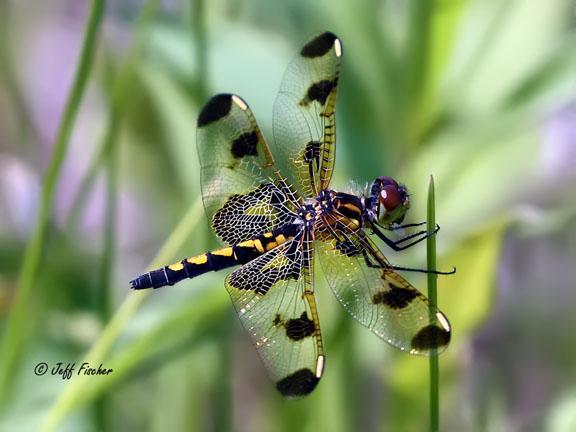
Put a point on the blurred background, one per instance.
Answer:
(479, 93)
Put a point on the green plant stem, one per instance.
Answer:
(103, 293)
(110, 218)
(200, 39)
(109, 151)
(417, 66)
(73, 394)
(18, 321)
(432, 282)
(9, 80)
(120, 93)
(107, 155)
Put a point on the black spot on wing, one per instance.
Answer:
(319, 46)
(299, 328)
(245, 145)
(348, 248)
(277, 320)
(300, 383)
(312, 153)
(260, 280)
(319, 92)
(277, 198)
(276, 275)
(216, 108)
(236, 221)
(430, 337)
(395, 297)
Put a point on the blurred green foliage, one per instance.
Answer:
(478, 93)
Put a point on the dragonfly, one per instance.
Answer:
(275, 211)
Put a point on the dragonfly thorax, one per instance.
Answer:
(307, 214)
(324, 202)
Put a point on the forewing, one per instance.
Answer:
(242, 193)
(304, 114)
(378, 297)
(269, 296)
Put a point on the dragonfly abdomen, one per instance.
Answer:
(219, 259)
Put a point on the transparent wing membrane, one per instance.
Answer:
(304, 114)
(275, 303)
(243, 194)
(378, 297)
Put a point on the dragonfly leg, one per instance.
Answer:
(350, 249)
(397, 244)
(403, 226)
(436, 272)
(370, 264)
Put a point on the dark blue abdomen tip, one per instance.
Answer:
(141, 282)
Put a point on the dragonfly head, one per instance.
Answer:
(390, 201)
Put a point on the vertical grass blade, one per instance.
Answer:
(103, 295)
(9, 80)
(417, 65)
(432, 280)
(18, 322)
(200, 38)
(109, 153)
(120, 94)
(79, 387)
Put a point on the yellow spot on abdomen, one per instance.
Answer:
(268, 235)
(271, 245)
(280, 239)
(200, 259)
(176, 266)
(227, 251)
(258, 246)
(247, 244)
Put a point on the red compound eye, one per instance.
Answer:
(390, 197)
(385, 180)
